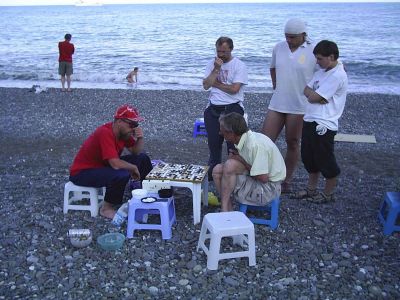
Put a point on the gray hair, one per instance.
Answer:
(234, 122)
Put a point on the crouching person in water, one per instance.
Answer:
(254, 171)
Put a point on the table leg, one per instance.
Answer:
(196, 191)
(205, 190)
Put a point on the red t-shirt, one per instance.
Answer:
(98, 148)
(66, 49)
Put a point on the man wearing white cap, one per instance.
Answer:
(98, 162)
(292, 67)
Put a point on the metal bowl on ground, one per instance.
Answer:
(80, 242)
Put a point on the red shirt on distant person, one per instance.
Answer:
(66, 50)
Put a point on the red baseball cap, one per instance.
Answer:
(128, 112)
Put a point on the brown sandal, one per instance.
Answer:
(307, 193)
(322, 198)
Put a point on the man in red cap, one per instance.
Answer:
(98, 162)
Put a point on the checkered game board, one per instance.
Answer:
(178, 172)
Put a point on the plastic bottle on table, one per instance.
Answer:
(121, 215)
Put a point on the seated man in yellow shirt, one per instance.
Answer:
(254, 171)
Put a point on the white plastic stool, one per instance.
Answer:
(74, 193)
(233, 224)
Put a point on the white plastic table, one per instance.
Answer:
(196, 187)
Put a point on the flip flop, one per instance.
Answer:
(307, 193)
(321, 198)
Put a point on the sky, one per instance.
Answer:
(72, 2)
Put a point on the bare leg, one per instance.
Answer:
(217, 176)
(330, 185)
(273, 124)
(69, 82)
(107, 210)
(313, 181)
(231, 169)
(63, 83)
(293, 128)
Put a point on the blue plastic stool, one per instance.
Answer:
(138, 215)
(389, 212)
(271, 208)
(199, 127)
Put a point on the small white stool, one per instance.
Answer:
(233, 224)
(74, 193)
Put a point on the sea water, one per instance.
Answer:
(171, 43)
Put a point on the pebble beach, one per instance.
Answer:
(328, 251)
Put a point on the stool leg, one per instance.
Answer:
(274, 213)
(243, 208)
(172, 212)
(252, 248)
(388, 227)
(131, 223)
(238, 240)
(202, 237)
(213, 253)
(94, 203)
(66, 200)
(381, 213)
(166, 231)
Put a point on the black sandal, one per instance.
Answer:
(307, 193)
(322, 198)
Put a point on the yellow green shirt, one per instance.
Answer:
(261, 153)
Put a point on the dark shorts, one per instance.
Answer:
(317, 151)
(65, 68)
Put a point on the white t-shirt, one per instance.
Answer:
(332, 86)
(234, 71)
(293, 71)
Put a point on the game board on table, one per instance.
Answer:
(178, 172)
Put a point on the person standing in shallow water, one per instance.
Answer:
(65, 49)
(292, 67)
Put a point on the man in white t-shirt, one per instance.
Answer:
(253, 171)
(226, 77)
(326, 95)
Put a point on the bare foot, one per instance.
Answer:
(63, 90)
(69, 90)
(107, 212)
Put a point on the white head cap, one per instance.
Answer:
(295, 26)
